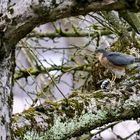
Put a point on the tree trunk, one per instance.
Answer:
(6, 96)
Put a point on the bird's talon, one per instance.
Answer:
(105, 84)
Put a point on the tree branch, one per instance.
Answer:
(24, 73)
(69, 34)
(84, 112)
(21, 18)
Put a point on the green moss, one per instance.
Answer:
(30, 110)
(20, 132)
(49, 102)
(74, 93)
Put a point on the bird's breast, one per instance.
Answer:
(117, 70)
(103, 60)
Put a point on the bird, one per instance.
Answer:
(115, 62)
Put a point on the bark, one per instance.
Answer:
(6, 72)
(6, 97)
(21, 18)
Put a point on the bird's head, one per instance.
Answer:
(100, 52)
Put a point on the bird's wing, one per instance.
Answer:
(120, 59)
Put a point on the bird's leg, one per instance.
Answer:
(113, 79)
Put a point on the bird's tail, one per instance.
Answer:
(137, 59)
